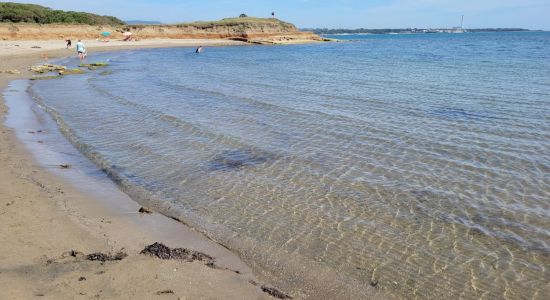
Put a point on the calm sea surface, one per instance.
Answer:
(419, 164)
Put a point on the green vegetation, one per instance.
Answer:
(31, 13)
(105, 73)
(46, 77)
(241, 21)
(96, 64)
(61, 71)
(71, 72)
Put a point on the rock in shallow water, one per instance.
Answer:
(236, 159)
(71, 72)
(47, 68)
(94, 66)
(45, 77)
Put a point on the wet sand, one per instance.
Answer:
(37, 48)
(50, 226)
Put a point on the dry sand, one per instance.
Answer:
(43, 218)
(39, 48)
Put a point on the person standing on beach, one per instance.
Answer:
(80, 50)
(69, 43)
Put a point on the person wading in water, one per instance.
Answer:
(80, 50)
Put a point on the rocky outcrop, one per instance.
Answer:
(45, 68)
(94, 66)
(60, 70)
(71, 72)
(245, 29)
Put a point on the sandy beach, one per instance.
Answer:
(56, 48)
(342, 150)
(50, 226)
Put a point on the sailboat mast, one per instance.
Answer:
(462, 23)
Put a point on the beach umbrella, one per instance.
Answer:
(105, 33)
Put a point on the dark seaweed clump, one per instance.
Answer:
(144, 210)
(275, 292)
(98, 256)
(164, 252)
(231, 160)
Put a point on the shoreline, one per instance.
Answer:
(56, 48)
(299, 283)
(38, 234)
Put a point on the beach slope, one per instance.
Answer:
(57, 242)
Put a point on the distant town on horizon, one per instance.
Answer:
(370, 30)
(410, 30)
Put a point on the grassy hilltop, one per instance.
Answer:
(35, 22)
(31, 13)
(242, 21)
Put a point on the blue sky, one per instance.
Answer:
(532, 14)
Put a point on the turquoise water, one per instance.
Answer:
(418, 164)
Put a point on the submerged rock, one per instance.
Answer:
(46, 77)
(71, 72)
(239, 158)
(94, 65)
(105, 73)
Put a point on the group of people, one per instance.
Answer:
(80, 49)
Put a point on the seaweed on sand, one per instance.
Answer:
(275, 292)
(98, 256)
(164, 252)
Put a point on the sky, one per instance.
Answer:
(531, 14)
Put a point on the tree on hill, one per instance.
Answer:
(31, 13)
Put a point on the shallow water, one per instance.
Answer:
(418, 164)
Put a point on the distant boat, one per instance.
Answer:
(459, 29)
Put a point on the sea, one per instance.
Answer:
(417, 165)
